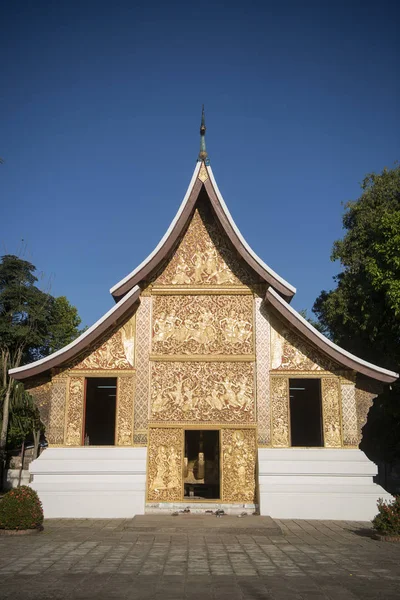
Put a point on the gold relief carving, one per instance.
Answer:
(124, 417)
(262, 372)
(291, 352)
(349, 414)
(239, 465)
(203, 175)
(203, 325)
(331, 412)
(74, 420)
(58, 395)
(205, 256)
(142, 394)
(113, 351)
(280, 411)
(212, 392)
(364, 400)
(41, 395)
(164, 472)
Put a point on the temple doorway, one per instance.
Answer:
(201, 469)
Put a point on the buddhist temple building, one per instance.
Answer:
(203, 387)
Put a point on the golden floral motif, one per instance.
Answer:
(331, 412)
(202, 325)
(124, 416)
(349, 413)
(165, 483)
(205, 256)
(290, 352)
(366, 391)
(280, 411)
(262, 327)
(74, 423)
(212, 392)
(142, 391)
(113, 351)
(239, 456)
(203, 175)
(41, 395)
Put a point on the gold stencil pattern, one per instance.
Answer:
(164, 472)
(262, 373)
(142, 395)
(41, 394)
(124, 417)
(331, 412)
(202, 325)
(280, 412)
(290, 352)
(349, 414)
(239, 465)
(73, 436)
(205, 256)
(113, 351)
(208, 392)
(55, 430)
(364, 400)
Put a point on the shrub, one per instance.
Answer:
(387, 521)
(21, 508)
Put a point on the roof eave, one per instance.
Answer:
(334, 351)
(83, 341)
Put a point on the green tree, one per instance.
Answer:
(362, 313)
(33, 323)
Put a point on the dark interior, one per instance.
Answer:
(101, 398)
(305, 412)
(208, 443)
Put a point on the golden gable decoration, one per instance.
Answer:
(202, 325)
(112, 352)
(290, 352)
(205, 257)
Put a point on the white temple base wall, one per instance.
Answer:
(91, 483)
(318, 483)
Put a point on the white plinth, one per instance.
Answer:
(318, 483)
(90, 482)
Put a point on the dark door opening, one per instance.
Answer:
(305, 412)
(201, 465)
(100, 405)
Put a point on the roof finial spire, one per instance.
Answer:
(203, 156)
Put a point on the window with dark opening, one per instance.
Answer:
(101, 399)
(305, 412)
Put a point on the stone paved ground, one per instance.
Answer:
(199, 558)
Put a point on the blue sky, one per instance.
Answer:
(100, 107)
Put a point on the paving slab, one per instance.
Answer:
(199, 557)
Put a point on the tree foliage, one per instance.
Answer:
(362, 314)
(33, 324)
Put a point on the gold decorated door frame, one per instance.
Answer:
(237, 463)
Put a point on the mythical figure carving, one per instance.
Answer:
(205, 256)
(218, 392)
(280, 411)
(113, 351)
(202, 325)
(73, 436)
(290, 352)
(331, 412)
(165, 465)
(124, 416)
(238, 465)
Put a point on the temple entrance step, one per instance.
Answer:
(198, 508)
(204, 524)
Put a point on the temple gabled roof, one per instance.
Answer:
(202, 177)
(127, 291)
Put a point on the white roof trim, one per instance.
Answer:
(60, 352)
(241, 238)
(327, 341)
(116, 287)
